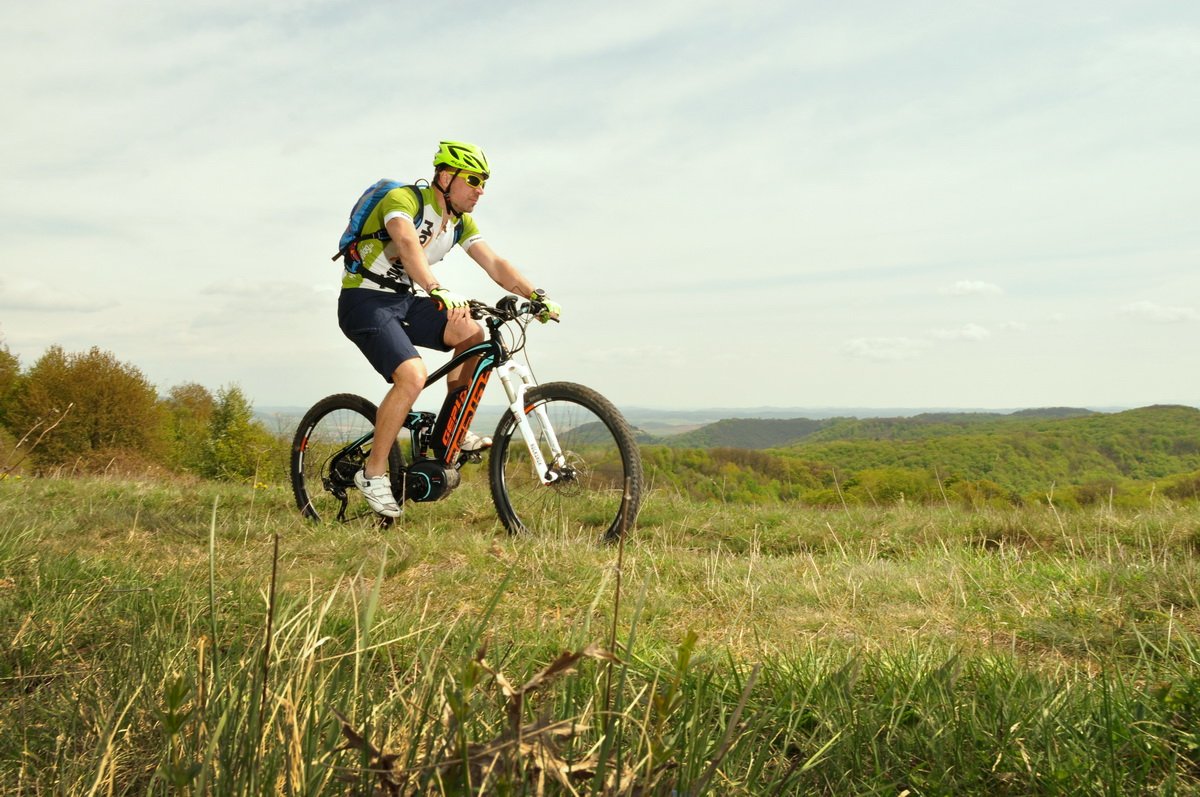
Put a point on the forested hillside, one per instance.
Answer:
(1076, 456)
(762, 433)
(89, 412)
(937, 424)
(751, 432)
(1026, 454)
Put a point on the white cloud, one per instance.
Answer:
(884, 349)
(210, 204)
(40, 297)
(967, 332)
(1158, 313)
(972, 288)
(640, 356)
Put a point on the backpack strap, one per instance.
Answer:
(354, 266)
(387, 282)
(381, 234)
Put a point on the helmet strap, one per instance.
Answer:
(446, 193)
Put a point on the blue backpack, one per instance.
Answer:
(353, 235)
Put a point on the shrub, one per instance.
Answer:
(239, 447)
(1185, 487)
(10, 371)
(983, 493)
(189, 410)
(111, 405)
(893, 485)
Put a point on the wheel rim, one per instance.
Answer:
(332, 450)
(589, 495)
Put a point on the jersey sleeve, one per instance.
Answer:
(470, 232)
(400, 201)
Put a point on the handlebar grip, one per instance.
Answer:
(535, 308)
(508, 306)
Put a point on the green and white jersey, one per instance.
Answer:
(436, 234)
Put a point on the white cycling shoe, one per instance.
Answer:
(378, 492)
(472, 442)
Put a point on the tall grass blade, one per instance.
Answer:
(730, 729)
(212, 591)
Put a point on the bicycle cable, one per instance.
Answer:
(524, 351)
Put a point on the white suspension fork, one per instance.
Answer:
(517, 381)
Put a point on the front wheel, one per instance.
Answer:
(331, 444)
(599, 471)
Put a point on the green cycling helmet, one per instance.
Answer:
(461, 155)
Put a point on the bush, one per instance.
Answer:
(103, 404)
(189, 409)
(1184, 488)
(983, 493)
(238, 447)
(10, 372)
(893, 485)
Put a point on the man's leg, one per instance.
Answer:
(461, 333)
(407, 382)
(376, 486)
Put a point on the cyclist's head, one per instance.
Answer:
(461, 156)
(464, 163)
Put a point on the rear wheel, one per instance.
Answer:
(331, 444)
(599, 482)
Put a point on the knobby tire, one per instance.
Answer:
(602, 460)
(319, 482)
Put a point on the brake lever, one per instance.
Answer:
(535, 309)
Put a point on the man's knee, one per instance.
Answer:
(410, 375)
(460, 334)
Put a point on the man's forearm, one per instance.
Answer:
(411, 255)
(412, 258)
(508, 278)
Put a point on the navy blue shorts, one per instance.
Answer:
(387, 327)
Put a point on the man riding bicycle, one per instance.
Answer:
(380, 313)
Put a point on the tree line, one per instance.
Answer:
(88, 412)
(1129, 459)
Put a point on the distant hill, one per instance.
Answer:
(1026, 451)
(941, 424)
(934, 455)
(675, 421)
(763, 433)
(750, 433)
(664, 423)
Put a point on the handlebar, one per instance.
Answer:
(507, 309)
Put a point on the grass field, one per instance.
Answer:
(201, 639)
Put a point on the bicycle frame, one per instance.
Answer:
(517, 381)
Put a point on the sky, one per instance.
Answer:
(759, 204)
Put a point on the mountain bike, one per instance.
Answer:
(562, 458)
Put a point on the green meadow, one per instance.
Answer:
(183, 636)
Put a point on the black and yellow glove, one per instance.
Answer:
(551, 310)
(448, 300)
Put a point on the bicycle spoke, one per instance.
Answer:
(598, 456)
(331, 445)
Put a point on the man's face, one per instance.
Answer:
(465, 190)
